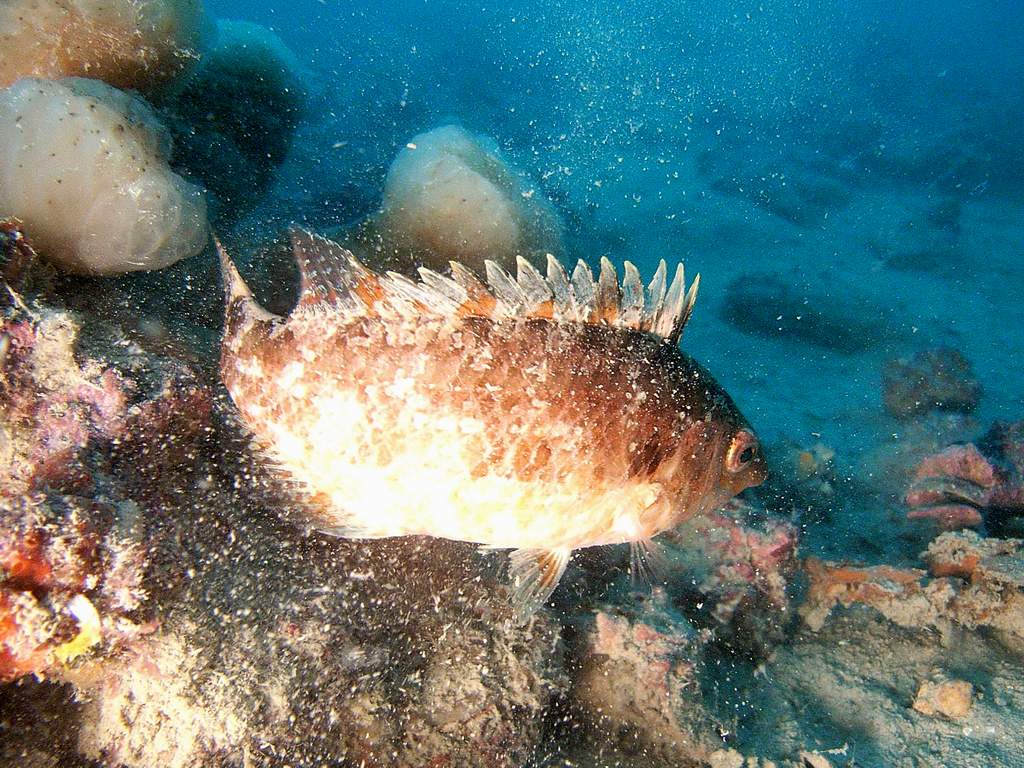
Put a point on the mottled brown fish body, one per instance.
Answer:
(402, 413)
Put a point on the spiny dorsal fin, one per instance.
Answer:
(658, 310)
(332, 275)
(329, 273)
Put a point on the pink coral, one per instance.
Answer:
(65, 550)
(963, 461)
(52, 404)
(738, 563)
(64, 411)
(966, 485)
(49, 559)
(617, 637)
(970, 582)
(66, 420)
(745, 562)
(949, 517)
(751, 559)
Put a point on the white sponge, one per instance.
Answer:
(449, 195)
(140, 44)
(84, 166)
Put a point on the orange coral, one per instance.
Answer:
(970, 582)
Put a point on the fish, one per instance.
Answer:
(541, 413)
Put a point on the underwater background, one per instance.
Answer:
(847, 178)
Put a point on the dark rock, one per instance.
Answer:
(33, 726)
(942, 259)
(636, 692)
(946, 214)
(794, 183)
(764, 304)
(234, 119)
(938, 379)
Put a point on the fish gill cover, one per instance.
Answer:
(272, 530)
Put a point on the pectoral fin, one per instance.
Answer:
(535, 574)
(647, 562)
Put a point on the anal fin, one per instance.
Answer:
(535, 573)
(328, 518)
(648, 564)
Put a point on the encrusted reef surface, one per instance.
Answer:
(916, 668)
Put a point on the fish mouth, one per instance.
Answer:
(750, 476)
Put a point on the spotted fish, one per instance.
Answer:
(541, 413)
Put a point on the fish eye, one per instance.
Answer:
(742, 450)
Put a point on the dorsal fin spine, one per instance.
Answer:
(608, 297)
(532, 282)
(584, 292)
(234, 285)
(479, 301)
(511, 299)
(666, 322)
(655, 298)
(559, 283)
(632, 297)
(687, 311)
(328, 272)
(444, 285)
(236, 290)
(659, 309)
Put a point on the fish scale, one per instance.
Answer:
(538, 414)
